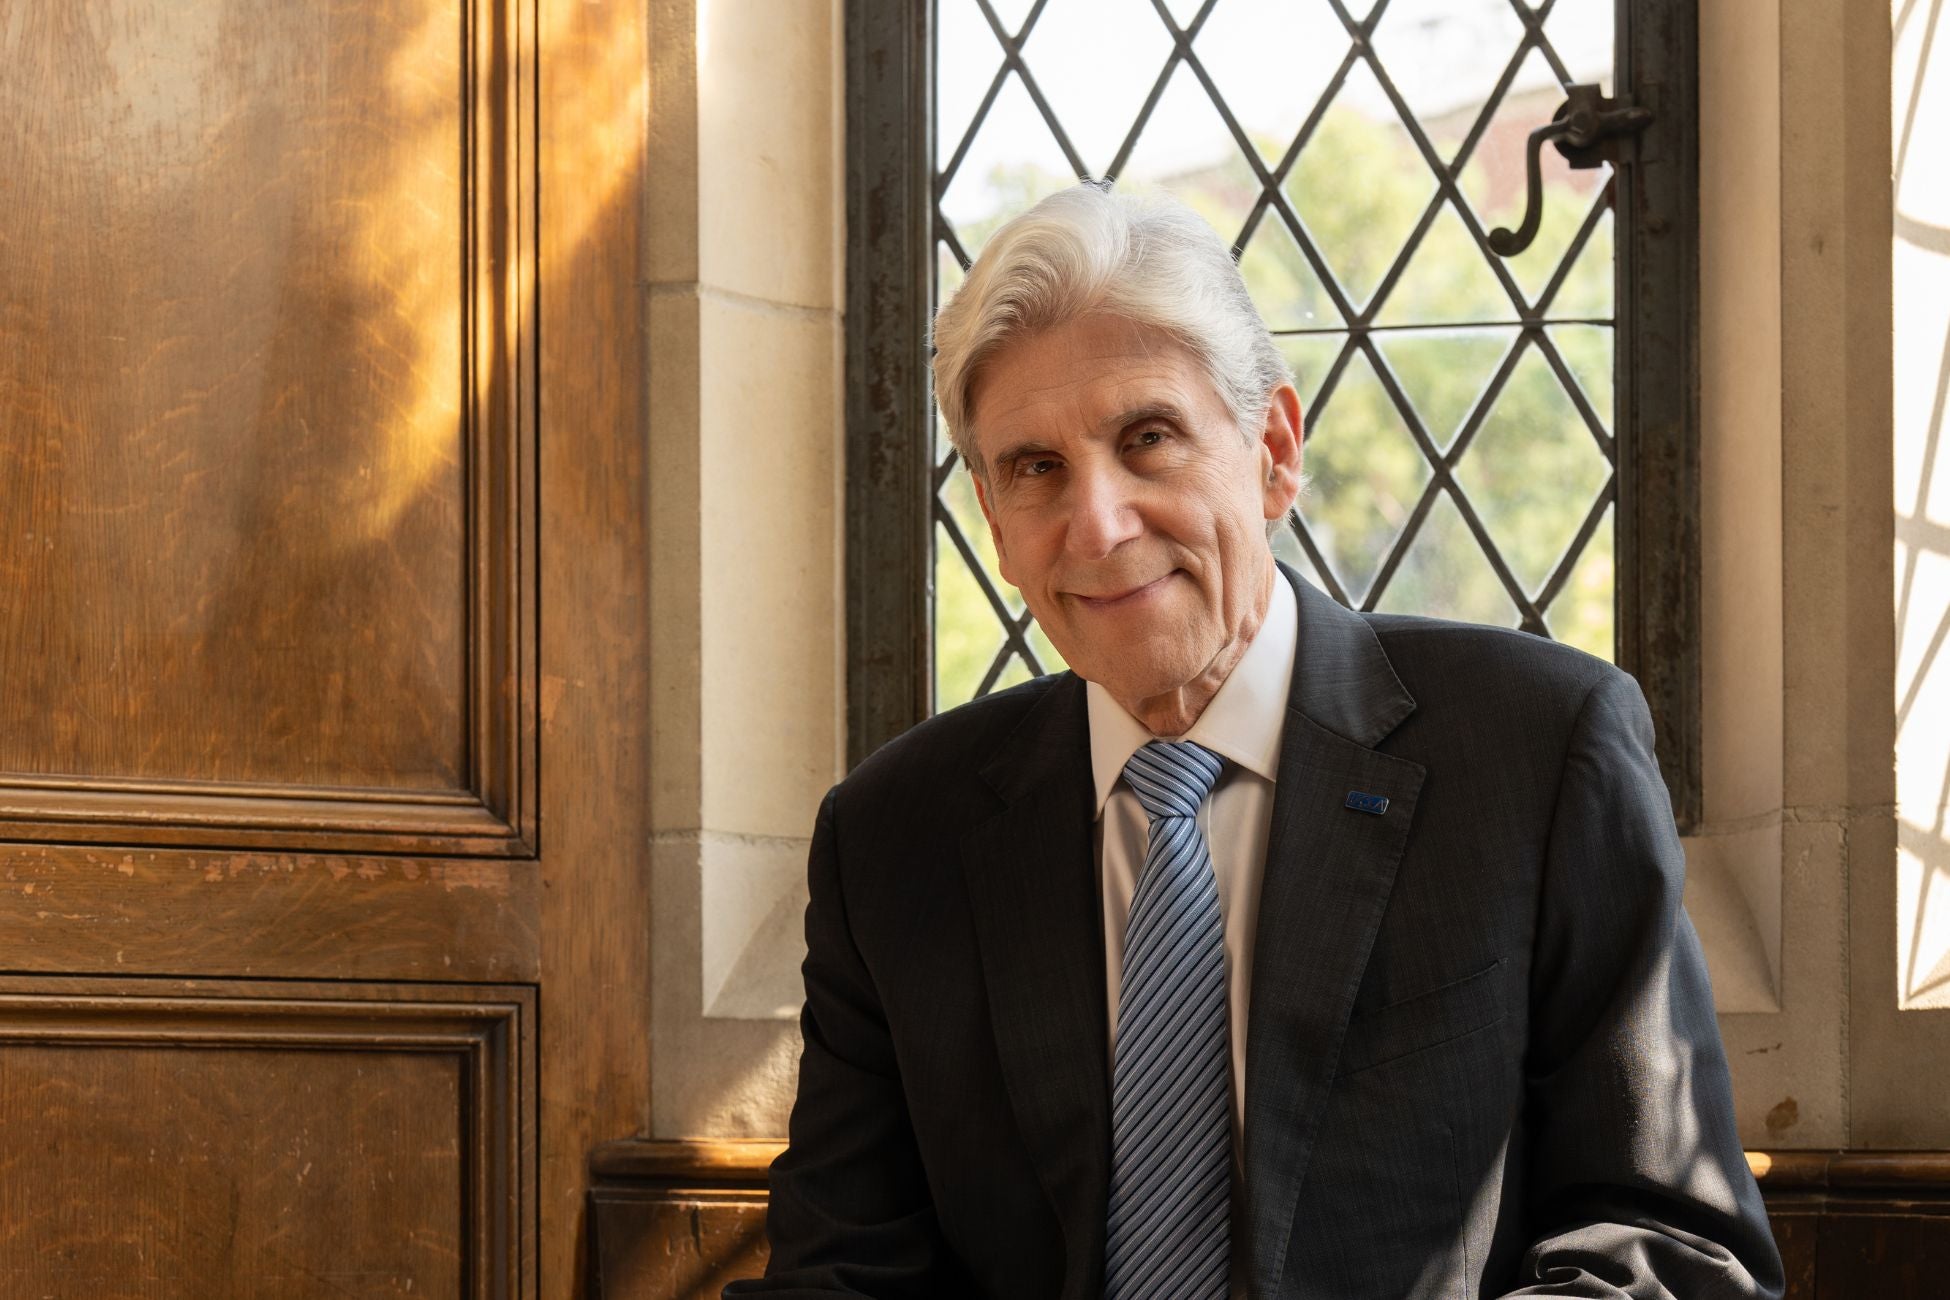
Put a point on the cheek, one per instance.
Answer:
(1022, 545)
(1232, 539)
(1219, 514)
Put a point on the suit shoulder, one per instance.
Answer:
(1438, 656)
(949, 745)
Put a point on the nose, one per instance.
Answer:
(1103, 511)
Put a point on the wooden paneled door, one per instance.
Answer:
(323, 932)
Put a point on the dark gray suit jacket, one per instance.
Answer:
(1482, 1057)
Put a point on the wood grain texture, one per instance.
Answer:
(674, 1247)
(262, 410)
(1798, 1237)
(1859, 1223)
(1893, 1253)
(257, 1154)
(281, 329)
(686, 1162)
(102, 812)
(685, 1244)
(1802, 1171)
(681, 1218)
(592, 95)
(677, 1218)
(77, 910)
(171, 1138)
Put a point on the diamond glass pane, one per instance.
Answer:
(1533, 471)
(1312, 358)
(961, 83)
(1095, 62)
(1360, 185)
(1445, 573)
(1183, 11)
(967, 636)
(1012, 161)
(1448, 281)
(1014, 673)
(1366, 472)
(1588, 285)
(1587, 354)
(1444, 373)
(1582, 34)
(1012, 13)
(947, 270)
(1356, 252)
(1583, 613)
(1187, 149)
(1272, 61)
(1282, 282)
(958, 497)
(1287, 548)
(1446, 57)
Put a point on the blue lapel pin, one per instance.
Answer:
(1367, 803)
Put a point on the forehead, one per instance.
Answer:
(1084, 370)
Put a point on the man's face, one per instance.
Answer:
(1125, 503)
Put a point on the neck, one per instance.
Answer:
(1173, 712)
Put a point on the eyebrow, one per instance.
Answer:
(1139, 414)
(1109, 424)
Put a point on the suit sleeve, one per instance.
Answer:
(1637, 1183)
(850, 1211)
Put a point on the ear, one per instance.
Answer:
(1279, 452)
(981, 482)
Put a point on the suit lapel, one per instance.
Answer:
(1329, 872)
(1038, 915)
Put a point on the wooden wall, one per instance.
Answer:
(323, 906)
(680, 1219)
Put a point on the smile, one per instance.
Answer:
(1130, 597)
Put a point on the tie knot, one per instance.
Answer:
(1172, 777)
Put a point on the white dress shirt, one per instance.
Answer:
(1242, 725)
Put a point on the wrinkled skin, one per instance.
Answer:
(1129, 510)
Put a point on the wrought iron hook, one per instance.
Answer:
(1588, 129)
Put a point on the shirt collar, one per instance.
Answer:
(1244, 720)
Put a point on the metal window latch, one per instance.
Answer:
(1587, 129)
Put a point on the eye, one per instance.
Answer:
(1035, 468)
(1147, 437)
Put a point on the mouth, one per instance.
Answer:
(1129, 597)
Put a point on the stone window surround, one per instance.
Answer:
(744, 335)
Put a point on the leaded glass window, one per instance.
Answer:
(1508, 441)
(1459, 407)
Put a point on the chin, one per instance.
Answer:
(1134, 670)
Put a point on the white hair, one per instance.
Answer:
(1147, 258)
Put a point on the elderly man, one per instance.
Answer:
(1276, 949)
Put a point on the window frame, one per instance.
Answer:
(889, 401)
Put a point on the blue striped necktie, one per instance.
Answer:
(1171, 1104)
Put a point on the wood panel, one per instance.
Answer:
(89, 909)
(1860, 1223)
(267, 467)
(680, 1219)
(302, 407)
(169, 1138)
(659, 1245)
(593, 93)
(677, 1219)
(266, 427)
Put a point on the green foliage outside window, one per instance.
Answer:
(1532, 470)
